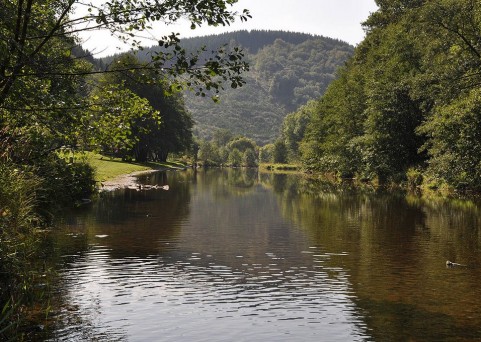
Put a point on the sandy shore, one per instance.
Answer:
(125, 181)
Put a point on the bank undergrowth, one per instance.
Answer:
(32, 191)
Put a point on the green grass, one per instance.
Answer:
(107, 168)
(272, 167)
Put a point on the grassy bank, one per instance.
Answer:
(272, 167)
(107, 168)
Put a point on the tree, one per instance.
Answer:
(455, 142)
(280, 152)
(331, 140)
(235, 158)
(249, 158)
(242, 144)
(407, 99)
(222, 136)
(208, 154)
(266, 153)
(31, 32)
(116, 130)
(155, 141)
(391, 143)
(294, 126)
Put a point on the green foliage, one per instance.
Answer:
(331, 141)
(249, 158)
(166, 130)
(61, 182)
(64, 183)
(242, 144)
(266, 153)
(221, 137)
(279, 154)
(113, 119)
(209, 154)
(34, 36)
(294, 127)
(455, 143)
(235, 158)
(246, 111)
(407, 100)
(298, 73)
(227, 150)
(414, 177)
(19, 245)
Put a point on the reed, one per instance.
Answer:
(19, 246)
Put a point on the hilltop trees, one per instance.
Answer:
(287, 70)
(298, 73)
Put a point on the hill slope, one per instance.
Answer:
(287, 70)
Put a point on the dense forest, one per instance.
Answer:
(406, 106)
(286, 69)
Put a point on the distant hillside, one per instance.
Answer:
(287, 70)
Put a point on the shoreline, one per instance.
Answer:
(126, 181)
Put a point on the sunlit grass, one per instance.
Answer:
(283, 168)
(107, 168)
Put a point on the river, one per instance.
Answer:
(235, 255)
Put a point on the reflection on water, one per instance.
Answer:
(228, 255)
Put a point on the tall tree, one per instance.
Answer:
(294, 126)
(155, 141)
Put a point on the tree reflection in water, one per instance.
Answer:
(269, 256)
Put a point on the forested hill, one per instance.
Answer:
(287, 69)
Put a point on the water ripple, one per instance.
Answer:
(195, 285)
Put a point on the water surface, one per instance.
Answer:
(232, 255)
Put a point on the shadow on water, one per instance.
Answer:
(394, 247)
(394, 321)
(130, 222)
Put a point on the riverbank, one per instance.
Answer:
(127, 180)
(113, 173)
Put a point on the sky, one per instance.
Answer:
(339, 19)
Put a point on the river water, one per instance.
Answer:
(234, 255)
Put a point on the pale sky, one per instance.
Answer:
(339, 19)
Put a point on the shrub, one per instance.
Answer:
(18, 242)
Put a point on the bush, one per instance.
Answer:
(28, 196)
(18, 242)
(414, 178)
(63, 183)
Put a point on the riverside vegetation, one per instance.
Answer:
(406, 107)
(403, 108)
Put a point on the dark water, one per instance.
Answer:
(230, 255)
